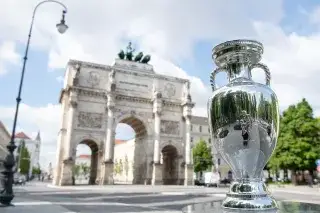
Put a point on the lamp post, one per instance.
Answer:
(6, 194)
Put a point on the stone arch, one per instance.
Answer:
(139, 159)
(177, 146)
(94, 146)
(136, 122)
(170, 169)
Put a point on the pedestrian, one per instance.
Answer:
(309, 179)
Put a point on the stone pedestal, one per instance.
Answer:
(66, 173)
(188, 175)
(157, 174)
(107, 173)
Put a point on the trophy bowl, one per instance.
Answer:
(244, 122)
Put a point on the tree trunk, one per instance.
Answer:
(294, 177)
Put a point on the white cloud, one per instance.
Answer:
(293, 61)
(168, 30)
(8, 56)
(30, 120)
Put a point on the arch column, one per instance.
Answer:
(188, 171)
(157, 166)
(107, 164)
(68, 158)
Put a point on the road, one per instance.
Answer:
(37, 197)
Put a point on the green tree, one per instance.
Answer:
(202, 157)
(299, 142)
(126, 167)
(24, 158)
(117, 168)
(85, 169)
(36, 170)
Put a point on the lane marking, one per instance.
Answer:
(33, 203)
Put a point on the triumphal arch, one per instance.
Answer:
(95, 98)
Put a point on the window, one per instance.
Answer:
(191, 139)
(219, 161)
(200, 128)
(209, 140)
(209, 129)
(191, 127)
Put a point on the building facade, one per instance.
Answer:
(95, 98)
(33, 146)
(200, 131)
(4, 141)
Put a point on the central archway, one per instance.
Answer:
(130, 155)
(170, 165)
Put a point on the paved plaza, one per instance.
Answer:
(38, 197)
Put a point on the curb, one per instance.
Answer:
(295, 192)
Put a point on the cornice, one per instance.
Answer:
(189, 104)
(128, 71)
(85, 64)
(133, 99)
(83, 91)
(90, 92)
(171, 103)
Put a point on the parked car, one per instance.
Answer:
(20, 180)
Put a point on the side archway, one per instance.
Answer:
(170, 170)
(86, 164)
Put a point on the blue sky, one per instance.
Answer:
(178, 34)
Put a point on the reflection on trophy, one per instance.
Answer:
(244, 122)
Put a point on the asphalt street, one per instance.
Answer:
(37, 197)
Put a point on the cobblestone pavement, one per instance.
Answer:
(128, 198)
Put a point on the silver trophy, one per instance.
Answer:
(244, 122)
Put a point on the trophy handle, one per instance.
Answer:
(265, 69)
(213, 77)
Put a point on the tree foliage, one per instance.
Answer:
(76, 170)
(24, 158)
(36, 170)
(118, 167)
(202, 157)
(299, 142)
(84, 169)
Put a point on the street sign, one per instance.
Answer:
(318, 162)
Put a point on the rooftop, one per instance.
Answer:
(4, 128)
(199, 120)
(22, 135)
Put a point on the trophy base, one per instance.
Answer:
(249, 194)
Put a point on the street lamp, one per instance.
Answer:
(6, 194)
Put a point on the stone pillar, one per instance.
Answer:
(149, 164)
(70, 125)
(109, 147)
(188, 174)
(157, 174)
(66, 172)
(107, 165)
(59, 158)
(188, 140)
(157, 167)
(107, 173)
(68, 158)
(156, 150)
